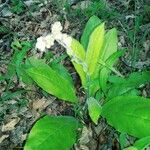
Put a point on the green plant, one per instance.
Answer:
(94, 59)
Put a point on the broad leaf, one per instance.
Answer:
(125, 85)
(110, 44)
(94, 109)
(53, 83)
(94, 49)
(52, 133)
(129, 114)
(92, 23)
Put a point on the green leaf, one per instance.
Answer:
(62, 71)
(15, 66)
(94, 109)
(107, 68)
(35, 62)
(94, 49)
(93, 86)
(116, 79)
(19, 58)
(110, 44)
(52, 133)
(130, 148)
(53, 83)
(2, 78)
(92, 23)
(78, 59)
(11, 71)
(123, 140)
(141, 144)
(129, 114)
(123, 86)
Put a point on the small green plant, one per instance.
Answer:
(94, 58)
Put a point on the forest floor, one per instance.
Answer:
(21, 105)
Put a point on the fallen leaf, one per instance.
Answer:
(41, 104)
(10, 125)
(3, 137)
(85, 136)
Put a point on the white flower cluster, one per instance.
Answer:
(44, 42)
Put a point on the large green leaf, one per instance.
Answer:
(53, 83)
(110, 44)
(92, 23)
(94, 109)
(123, 86)
(52, 133)
(129, 114)
(94, 49)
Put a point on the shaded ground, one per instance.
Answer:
(27, 20)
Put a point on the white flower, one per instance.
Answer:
(56, 28)
(49, 41)
(40, 44)
(44, 42)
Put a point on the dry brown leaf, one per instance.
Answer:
(83, 147)
(85, 136)
(10, 125)
(3, 137)
(41, 104)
